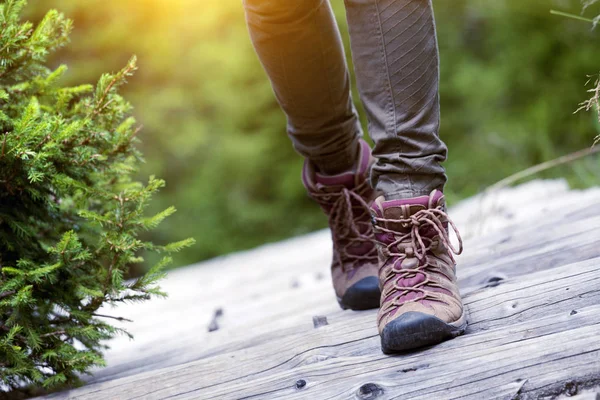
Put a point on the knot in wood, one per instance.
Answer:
(369, 391)
(300, 383)
(571, 388)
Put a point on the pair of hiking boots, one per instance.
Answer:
(395, 255)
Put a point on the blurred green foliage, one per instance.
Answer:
(512, 74)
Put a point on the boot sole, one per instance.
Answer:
(363, 295)
(414, 330)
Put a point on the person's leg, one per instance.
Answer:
(395, 51)
(394, 48)
(299, 45)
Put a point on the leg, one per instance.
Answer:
(395, 55)
(396, 60)
(298, 43)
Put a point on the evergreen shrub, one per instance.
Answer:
(71, 211)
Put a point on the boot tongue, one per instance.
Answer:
(403, 209)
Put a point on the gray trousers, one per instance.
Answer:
(395, 56)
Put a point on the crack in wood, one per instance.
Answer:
(319, 321)
(517, 395)
(415, 368)
(214, 323)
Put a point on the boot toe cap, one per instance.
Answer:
(363, 295)
(413, 330)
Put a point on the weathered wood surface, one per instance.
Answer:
(530, 276)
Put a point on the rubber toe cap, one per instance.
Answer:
(415, 329)
(363, 295)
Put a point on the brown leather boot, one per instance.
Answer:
(420, 301)
(344, 198)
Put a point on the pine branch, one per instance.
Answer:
(55, 333)
(7, 294)
(3, 144)
(111, 317)
(114, 81)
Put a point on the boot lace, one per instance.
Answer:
(349, 220)
(414, 252)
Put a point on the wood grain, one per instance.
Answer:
(530, 277)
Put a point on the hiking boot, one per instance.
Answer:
(420, 301)
(344, 198)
